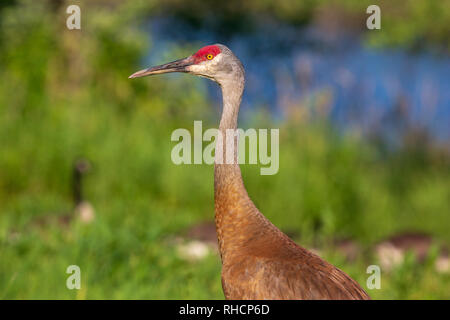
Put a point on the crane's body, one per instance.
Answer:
(258, 260)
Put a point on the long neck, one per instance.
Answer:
(232, 96)
(235, 212)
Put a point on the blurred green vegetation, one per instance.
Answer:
(65, 94)
(412, 24)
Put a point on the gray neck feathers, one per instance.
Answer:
(232, 96)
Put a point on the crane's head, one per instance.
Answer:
(215, 62)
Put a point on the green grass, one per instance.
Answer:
(141, 199)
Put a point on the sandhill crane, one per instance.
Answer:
(82, 210)
(258, 260)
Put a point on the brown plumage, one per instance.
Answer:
(261, 262)
(258, 260)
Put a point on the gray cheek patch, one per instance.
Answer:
(226, 68)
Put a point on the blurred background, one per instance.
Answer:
(86, 176)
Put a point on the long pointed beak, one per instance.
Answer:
(174, 66)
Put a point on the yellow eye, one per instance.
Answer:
(209, 56)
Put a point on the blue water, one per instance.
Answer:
(366, 86)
